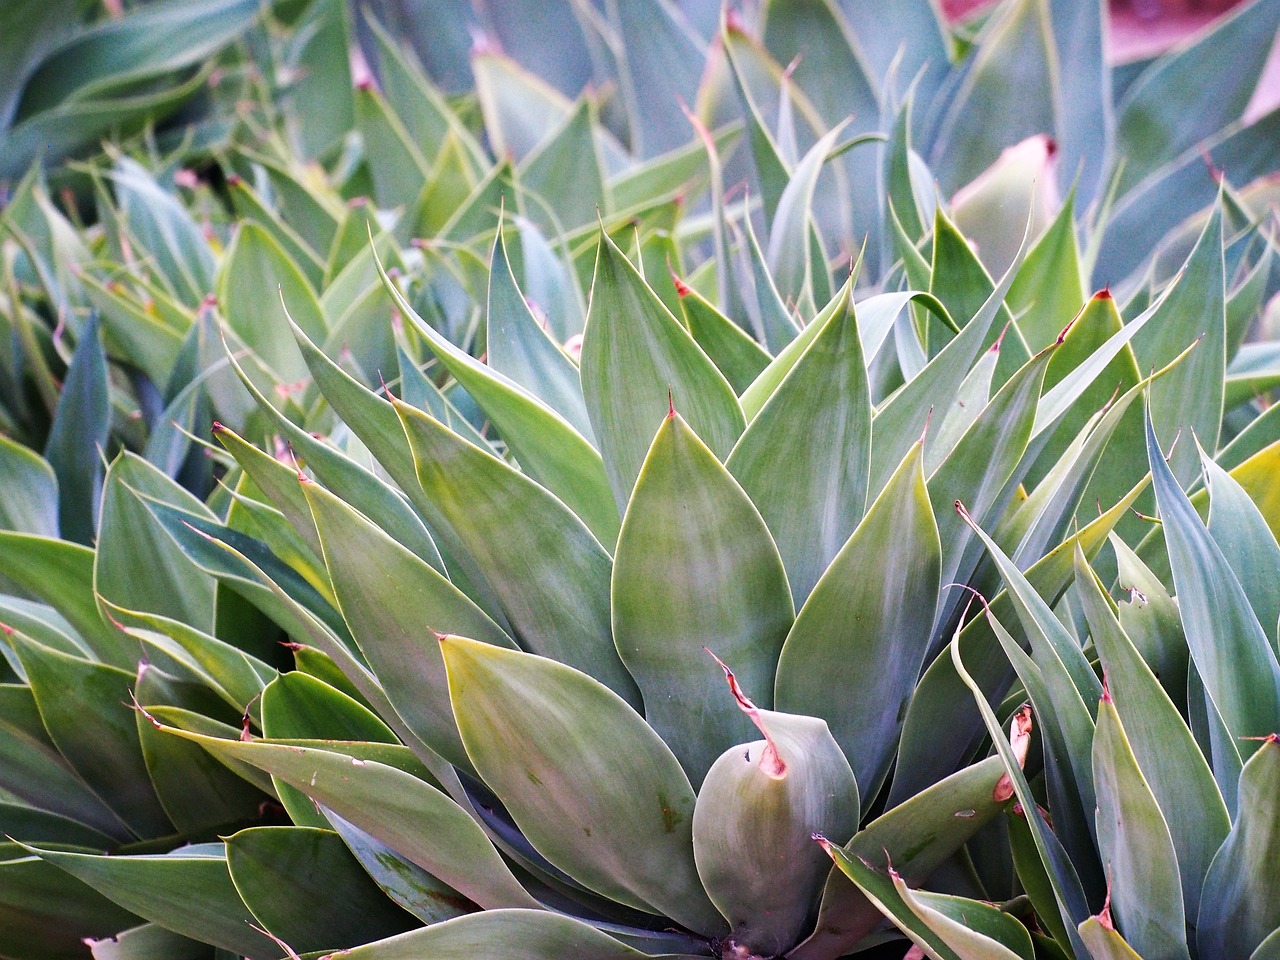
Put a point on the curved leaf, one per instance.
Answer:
(188, 891)
(304, 886)
(1166, 753)
(371, 576)
(78, 437)
(546, 445)
(804, 458)
(519, 348)
(635, 358)
(754, 821)
(696, 570)
(84, 707)
(1137, 850)
(510, 934)
(584, 777)
(866, 627)
(554, 589)
(400, 809)
(1229, 647)
(1241, 907)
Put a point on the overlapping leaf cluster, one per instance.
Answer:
(585, 561)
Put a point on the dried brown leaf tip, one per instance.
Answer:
(771, 764)
(1104, 915)
(1020, 741)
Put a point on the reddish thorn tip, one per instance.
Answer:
(671, 405)
(682, 288)
(1103, 294)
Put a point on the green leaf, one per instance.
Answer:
(696, 570)
(564, 173)
(137, 565)
(551, 450)
(1137, 850)
(1060, 871)
(960, 280)
(297, 705)
(1269, 949)
(1240, 907)
(915, 837)
(787, 253)
(371, 574)
(84, 708)
(971, 927)
(941, 730)
(30, 501)
(866, 626)
(805, 456)
(754, 821)
(661, 65)
(78, 436)
(406, 883)
(188, 891)
(979, 471)
(236, 676)
(45, 913)
(511, 934)
(1166, 112)
(159, 40)
(952, 928)
(732, 350)
(902, 417)
(155, 220)
(303, 885)
(396, 162)
(1246, 542)
(196, 791)
(1179, 190)
(1167, 755)
(1229, 647)
(635, 357)
(358, 485)
(250, 205)
(1049, 290)
(768, 312)
(767, 381)
(1151, 620)
(400, 809)
(255, 276)
(554, 590)
(1189, 398)
(520, 349)
(35, 773)
(147, 942)
(584, 777)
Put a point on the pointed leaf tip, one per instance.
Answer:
(771, 764)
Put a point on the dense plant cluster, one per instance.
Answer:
(840, 518)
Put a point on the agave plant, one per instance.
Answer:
(539, 753)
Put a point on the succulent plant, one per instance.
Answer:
(621, 538)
